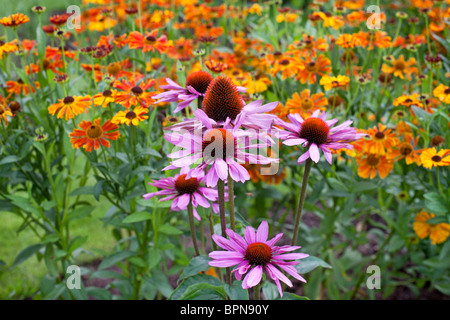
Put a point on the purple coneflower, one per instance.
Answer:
(253, 254)
(317, 133)
(183, 190)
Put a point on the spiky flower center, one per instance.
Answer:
(222, 100)
(315, 130)
(186, 186)
(258, 253)
(218, 143)
(199, 80)
(94, 132)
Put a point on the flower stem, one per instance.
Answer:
(191, 223)
(257, 291)
(231, 202)
(301, 201)
(223, 221)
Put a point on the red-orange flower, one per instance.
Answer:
(311, 68)
(17, 87)
(149, 42)
(91, 135)
(133, 94)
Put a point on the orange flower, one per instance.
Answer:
(400, 67)
(308, 46)
(346, 40)
(104, 98)
(91, 135)
(373, 39)
(288, 67)
(442, 92)
(329, 20)
(133, 94)
(14, 20)
(413, 100)
(8, 47)
(438, 233)
(370, 164)
(70, 106)
(311, 68)
(329, 83)
(306, 103)
(148, 43)
(18, 87)
(406, 150)
(4, 110)
(381, 142)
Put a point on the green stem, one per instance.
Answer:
(223, 221)
(301, 201)
(231, 202)
(192, 225)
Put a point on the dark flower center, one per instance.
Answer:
(68, 100)
(379, 135)
(314, 130)
(258, 253)
(130, 115)
(372, 160)
(436, 158)
(107, 93)
(183, 185)
(218, 143)
(137, 91)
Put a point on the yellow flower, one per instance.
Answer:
(128, 117)
(334, 82)
(431, 158)
(442, 93)
(438, 233)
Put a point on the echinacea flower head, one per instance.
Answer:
(197, 83)
(92, 134)
(432, 158)
(70, 106)
(182, 190)
(316, 133)
(254, 254)
(438, 233)
(217, 151)
(14, 20)
(223, 102)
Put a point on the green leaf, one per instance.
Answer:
(26, 253)
(169, 230)
(195, 266)
(204, 291)
(310, 263)
(236, 292)
(435, 203)
(444, 288)
(9, 159)
(80, 213)
(186, 283)
(437, 263)
(82, 191)
(395, 243)
(137, 217)
(291, 296)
